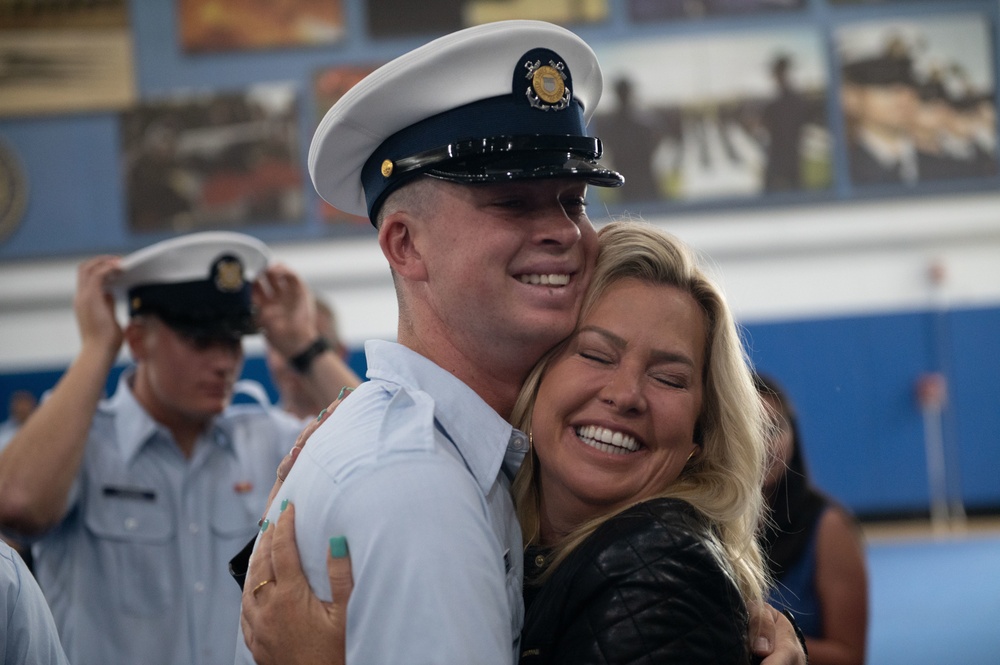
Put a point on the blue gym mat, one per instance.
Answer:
(935, 602)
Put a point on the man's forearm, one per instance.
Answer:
(39, 465)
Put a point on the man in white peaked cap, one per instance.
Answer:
(471, 157)
(136, 503)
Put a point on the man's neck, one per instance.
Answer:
(495, 377)
(183, 429)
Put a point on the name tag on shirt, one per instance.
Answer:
(134, 493)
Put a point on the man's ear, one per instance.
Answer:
(136, 335)
(399, 237)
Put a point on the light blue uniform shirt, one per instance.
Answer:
(409, 469)
(137, 571)
(28, 635)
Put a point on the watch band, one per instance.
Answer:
(303, 361)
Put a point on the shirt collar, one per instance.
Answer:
(479, 433)
(134, 427)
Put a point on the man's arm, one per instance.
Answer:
(430, 578)
(39, 465)
(286, 312)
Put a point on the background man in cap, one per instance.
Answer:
(138, 502)
(470, 156)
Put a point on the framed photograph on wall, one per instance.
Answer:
(733, 115)
(391, 18)
(65, 58)
(329, 85)
(223, 160)
(872, 2)
(918, 99)
(229, 25)
(658, 10)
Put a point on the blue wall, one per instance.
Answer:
(853, 383)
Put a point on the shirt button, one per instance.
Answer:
(520, 444)
(131, 523)
(199, 587)
(540, 561)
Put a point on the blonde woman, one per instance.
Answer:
(638, 502)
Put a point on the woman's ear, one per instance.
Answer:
(398, 236)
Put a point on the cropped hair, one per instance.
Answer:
(723, 479)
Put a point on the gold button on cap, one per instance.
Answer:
(387, 168)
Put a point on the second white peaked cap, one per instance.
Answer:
(190, 257)
(436, 82)
(199, 283)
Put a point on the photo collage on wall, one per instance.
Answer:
(734, 115)
(214, 161)
(706, 103)
(747, 113)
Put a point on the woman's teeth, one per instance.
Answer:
(607, 440)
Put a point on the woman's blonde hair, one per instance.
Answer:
(723, 479)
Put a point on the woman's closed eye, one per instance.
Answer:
(671, 379)
(595, 356)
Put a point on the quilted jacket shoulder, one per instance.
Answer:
(649, 586)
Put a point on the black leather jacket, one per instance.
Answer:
(649, 586)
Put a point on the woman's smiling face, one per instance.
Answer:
(616, 411)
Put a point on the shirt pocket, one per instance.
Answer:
(133, 535)
(233, 520)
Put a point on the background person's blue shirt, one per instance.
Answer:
(28, 633)
(137, 571)
(408, 468)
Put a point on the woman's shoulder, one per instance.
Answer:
(673, 522)
(651, 573)
(661, 540)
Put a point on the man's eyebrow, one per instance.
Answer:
(620, 343)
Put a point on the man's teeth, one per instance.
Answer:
(607, 440)
(545, 280)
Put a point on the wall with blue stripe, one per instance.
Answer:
(853, 380)
(853, 383)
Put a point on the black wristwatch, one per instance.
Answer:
(303, 361)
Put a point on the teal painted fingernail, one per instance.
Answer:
(284, 504)
(321, 414)
(338, 547)
(340, 395)
(263, 527)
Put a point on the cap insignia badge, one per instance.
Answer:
(387, 167)
(229, 275)
(548, 90)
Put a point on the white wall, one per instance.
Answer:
(775, 263)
